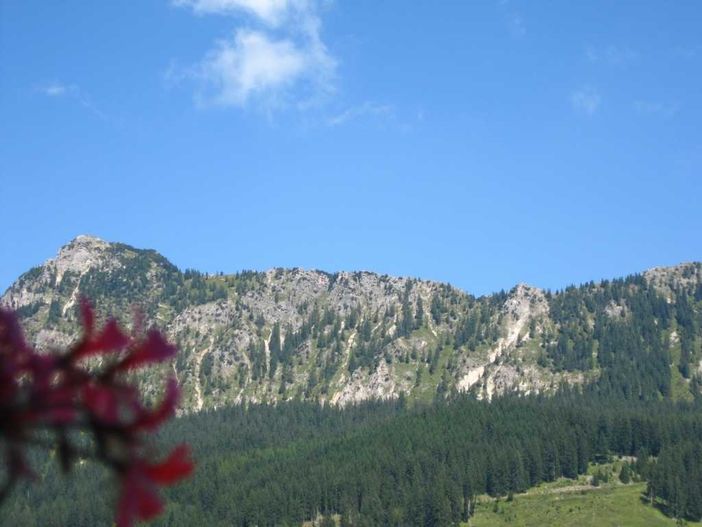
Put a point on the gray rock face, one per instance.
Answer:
(293, 333)
(665, 279)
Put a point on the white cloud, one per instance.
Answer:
(686, 52)
(269, 11)
(54, 89)
(612, 55)
(367, 109)
(661, 109)
(586, 100)
(516, 25)
(514, 20)
(251, 64)
(282, 61)
(59, 89)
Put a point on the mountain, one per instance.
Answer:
(346, 337)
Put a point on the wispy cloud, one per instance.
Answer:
(687, 52)
(367, 109)
(517, 27)
(661, 109)
(514, 20)
(57, 89)
(270, 11)
(612, 55)
(251, 64)
(54, 89)
(276, 59)
(585, 100)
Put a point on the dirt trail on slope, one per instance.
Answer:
(267, 350)
(347, 354)
(196, 372)
(520, 307)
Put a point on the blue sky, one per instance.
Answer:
(477, 143)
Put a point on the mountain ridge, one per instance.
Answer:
(351, 336)
(96, 241)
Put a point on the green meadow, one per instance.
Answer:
(573, 506)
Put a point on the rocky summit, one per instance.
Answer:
(346, 337)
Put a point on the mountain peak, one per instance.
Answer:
(79, 255)
(83, 242)
(524, 288)
(86, 238)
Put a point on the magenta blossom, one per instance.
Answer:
(56, 392)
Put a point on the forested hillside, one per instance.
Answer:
(289, 334)
(386, 463)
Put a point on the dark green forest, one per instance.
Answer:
(389, 463)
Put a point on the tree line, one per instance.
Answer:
(391, 463)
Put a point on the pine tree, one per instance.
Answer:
(625, 474)
(419, 316)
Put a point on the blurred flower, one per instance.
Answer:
(58, 393)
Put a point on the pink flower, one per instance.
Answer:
(139, 497)
(57, 391)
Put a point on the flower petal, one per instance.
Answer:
(155, 348)
(165, 410)
(175, 467)
(111, 338)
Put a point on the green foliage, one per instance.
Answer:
(387, 464)
(625, 474)
(677, 478)
(622, 327)
(29, 310)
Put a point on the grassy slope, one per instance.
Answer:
(609, 506)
